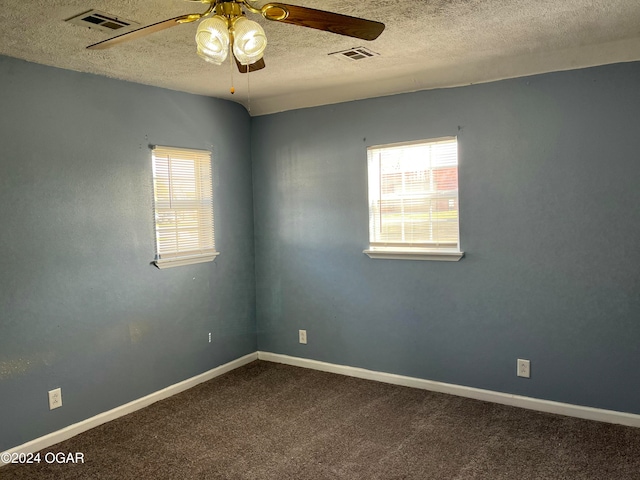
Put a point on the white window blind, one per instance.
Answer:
(183, 201)
(413, 197)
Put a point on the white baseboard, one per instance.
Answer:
(73, 430)
(579, 411)
(589, 413)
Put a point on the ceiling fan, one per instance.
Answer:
(228, 28)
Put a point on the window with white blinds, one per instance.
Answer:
(183, 203)
(413, 200)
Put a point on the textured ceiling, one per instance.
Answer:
(426, 44)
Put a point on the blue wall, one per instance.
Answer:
(81, 306)
(549, 196)
(549, 223)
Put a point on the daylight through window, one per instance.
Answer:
(413, 200)
(183, 201)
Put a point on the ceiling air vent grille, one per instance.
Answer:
(101, 20)
(355, 54)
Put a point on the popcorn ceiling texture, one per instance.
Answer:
(426, 44)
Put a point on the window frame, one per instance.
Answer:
(191, 210)
(400, 250)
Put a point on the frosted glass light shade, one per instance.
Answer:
(212, 39)
(249, 41)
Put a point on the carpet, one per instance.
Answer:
(271, 421)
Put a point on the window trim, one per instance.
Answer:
(391, 253)
(449, 252)
(208, 252)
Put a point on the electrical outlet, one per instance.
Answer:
(302, 336)
(55, 398)
(524, 368)
(209, 337)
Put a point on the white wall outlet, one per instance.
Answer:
(55, 398)
(302, 336)
(524, 368)
(209, 337)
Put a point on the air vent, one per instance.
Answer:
(356, 53)
(101, 20)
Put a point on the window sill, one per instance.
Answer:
(178, 262)
(414, 254)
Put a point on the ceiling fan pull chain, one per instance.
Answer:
(248, 91)
(232, 90)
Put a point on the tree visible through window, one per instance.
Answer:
(183, 201)
(413, 198)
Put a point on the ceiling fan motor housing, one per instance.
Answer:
(229, 9)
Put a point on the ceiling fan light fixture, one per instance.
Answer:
(249, 41)
(212, 39)
(211, 57)
(229, 29)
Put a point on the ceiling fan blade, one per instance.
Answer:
(259, 65)
(139, 32)
(321, 20)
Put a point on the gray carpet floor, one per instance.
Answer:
(270, 421)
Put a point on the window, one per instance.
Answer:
(413, 200)
(183, 204)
